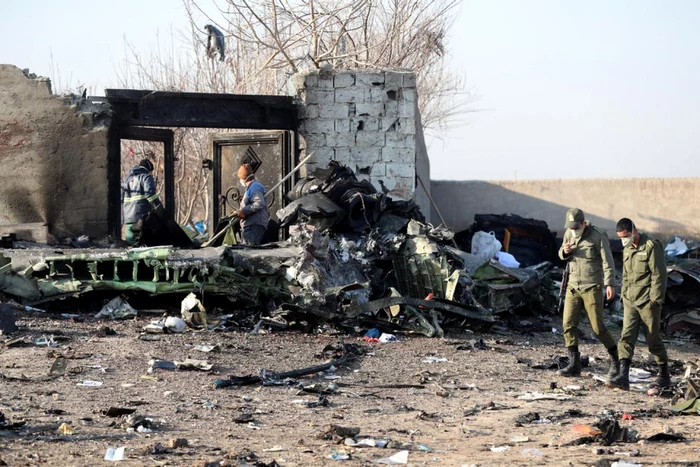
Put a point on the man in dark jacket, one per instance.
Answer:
(253, 213)
(139, 196)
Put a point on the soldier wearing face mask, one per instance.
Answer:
(643, 290)
(591, 268)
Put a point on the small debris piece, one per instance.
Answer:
(499, 448)
(434, 359)
(174, 324)
(175, 443)
(193, 312)
(586, 430)
(672, 437)
(117, 308)
(191, 364)
(338, 433)
(92, 384)
(7, 320)
(65, 429)
(400, 458)
(339, 456)
(117, 411)
(115, 454)
(539, 396)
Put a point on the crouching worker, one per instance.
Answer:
(591, 267)
(643, 291)
(139, 196)
(253, 212)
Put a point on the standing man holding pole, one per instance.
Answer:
(590, 264)
(254, 214)
(643, 290)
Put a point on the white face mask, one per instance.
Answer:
(576, 233)
(242, 182)
(626, 240)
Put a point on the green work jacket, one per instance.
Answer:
(590, 261)
(644, 272)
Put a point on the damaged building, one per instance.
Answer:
(355, 245)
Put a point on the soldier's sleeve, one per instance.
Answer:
(659, 275)
(608, 263)
(563, 242)
(625, 279)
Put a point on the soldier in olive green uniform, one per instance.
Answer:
(591, 267)
(643, 291)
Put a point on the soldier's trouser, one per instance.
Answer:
(648, 317)
(590, 300)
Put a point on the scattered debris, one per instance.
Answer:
(666, 437)
(400, 458)
(272, 378)
(117, 411)
(92, 384)
(192, 364)
(65, 429)
(174, 324)
(117, 308)
(7, 320)
(367, 442)
(434, 359)
(338, 433)
(193, 312)
(339, 455)
(115, 454)
(175, 443)
(540, 396)
(499, 448)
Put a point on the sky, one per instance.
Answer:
(560, 89)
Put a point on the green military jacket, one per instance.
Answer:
(644, 272)
(590, 261)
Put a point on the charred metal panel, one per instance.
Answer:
(202, 110)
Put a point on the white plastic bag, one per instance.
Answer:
(507, 260)
(485, 245)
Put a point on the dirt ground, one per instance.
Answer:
(434, 405)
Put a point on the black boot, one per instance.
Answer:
(614, 363)
(622, 380)
(664, 378)
(574, 366)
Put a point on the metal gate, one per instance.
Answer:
(271, 155)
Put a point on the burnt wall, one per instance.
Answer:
(53, 158)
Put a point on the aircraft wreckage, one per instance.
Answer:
(353, 256)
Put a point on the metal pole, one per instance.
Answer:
(436, 208)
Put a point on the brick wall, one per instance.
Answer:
(364, 119)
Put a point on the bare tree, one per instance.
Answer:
(294, 35)
(269, 40)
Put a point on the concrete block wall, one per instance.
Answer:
(54, 162)
(366, 119)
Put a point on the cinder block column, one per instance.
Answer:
(365, 119)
